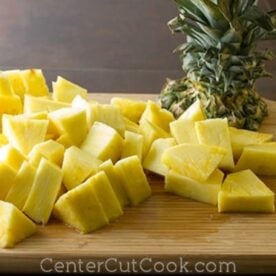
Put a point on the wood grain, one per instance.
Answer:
(164, 227)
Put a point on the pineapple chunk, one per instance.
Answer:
(192, 160)
(41, 104)
(151, 132)
(206, 191)
(131, 109)
(131, 126)
(241, 138)
(7, 176)
(106, 196)
(261, 159)
(66, 91)
(77, 166)
(81, 209)
(71, 121)
(134, 179)
(3, 140)
(115, 181)
(133, 145)
(44, 191)
(194, 112)
(152, 161)
(16, 80)
(215, 132)
(184, 131)
(34, 82)
(157, 116)
(11, 156)
(51, 150)
(104, 142)
(65, 140)
(15, 226)
(23, 182)
(5, 86)
(245, 192)
(22, 133)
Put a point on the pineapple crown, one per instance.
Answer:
(220, 51)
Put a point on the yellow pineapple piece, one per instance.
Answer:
(261, 159)
(241, 138)
(193, 160)
(131, 109)
(103, 142)
(131, 126)
(133, 145)
(77, 166)
(152, 161)
(16, 80)
(22, 133)
(134, 179)
(184, 186)
(71, 121)
(151, 132)
(7, 176)
(115, 181)
(41, 115)
(157, 116)
(44, 191)
(184, 131)
(15, 226)
(245, 192)
(11, 156)
(66, 91)
(51, 150)
(106, 196)
(194, 112)
(35, 82)
(3, 140)
(5, 86)
(215, 132)
(23, 182)
(65, 140)
(80, 208)
(41, 104)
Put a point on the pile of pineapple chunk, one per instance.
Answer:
(83, 162)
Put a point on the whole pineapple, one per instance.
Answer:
(221, 59)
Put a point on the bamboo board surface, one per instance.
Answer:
(164, 227)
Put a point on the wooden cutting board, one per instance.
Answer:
(165, 227)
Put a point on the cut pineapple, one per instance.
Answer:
(44, 191)
(115, 181)
(81, 209)
(157, 116)
(11, 156)
(34, 82)
(152, 161)
(77, 166)
(206, 191)
(131, 109)
(245, 192)
(15, 226)
(261, 159)
(51, 150)
(194, 112)
(3, 140)
(16, 80)
(41, 104)
(215, 132)
(131, 126)
(106, 196)
(151, 132)
(7, 176)
(133, 145)
(104, 142)
(23, 182)
(133, 179)
(184, 131)
(22, 133)
(241, 138)
(5, 86)
(66, 120)
(65, 140)
(66, 91)
(194, 161)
